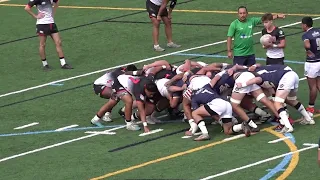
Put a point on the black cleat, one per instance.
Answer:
(121, 113)
(66, 66)
(46, 68)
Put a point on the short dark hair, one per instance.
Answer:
(267, 17)
(152, 87)
(131, 67)
(240, 7)
(307, 21)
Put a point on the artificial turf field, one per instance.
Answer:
(102, 34)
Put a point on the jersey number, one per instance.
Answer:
(318, 44)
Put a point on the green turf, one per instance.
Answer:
(102, 45)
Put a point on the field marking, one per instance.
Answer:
(1, 1)
(100, 132)
(57, 144)
(278, 140)
(310, 144)
(67, 127)
(135, 62)
(258, 163)
(172, 156)
(175, 10)
(27, 125)
(151, 132)
(294, 159)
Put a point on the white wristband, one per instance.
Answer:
(186, 73)
(275, 45)
(135, 73)
(145, 124)
(164, 66)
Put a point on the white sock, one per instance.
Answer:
(252, 124)
(284, 118)
(260, 112)
(156, 46)
(44, 63)
(62, 61)
(122, 109)
(134, 116)
(193, 125)
(237, 128)
(203, 128)
(304, 113)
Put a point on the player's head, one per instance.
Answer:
(306, 23)
(242, 13)
(267, 20)
(131, 67)
(150, 89)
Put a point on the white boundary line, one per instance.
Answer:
(151, 132)
(100, 132)
(278, 140)
(67, 127)
(27, 125)
(57, 144)
(1, 1)
(140, 61)
(91, 135)
(258, 162)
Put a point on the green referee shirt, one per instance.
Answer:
(242, 33)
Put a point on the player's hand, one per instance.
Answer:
(310, 54)
(273, 39)
(230, 72)
(239, 85)
(167, 84)
(184, 86)
(230, 56)
(188, 133)
(40, 15)
(159, 18)
(146, 129)
(145, 67)
(281, 16)
(252, 68)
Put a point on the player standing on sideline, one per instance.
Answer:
(241, 30)
(158, 11)
(319, 153)
(275, 54)
(47, 27)
(311, 39)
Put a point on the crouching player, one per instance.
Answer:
(143, 90)
(213, 106)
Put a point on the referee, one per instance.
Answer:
(241, 30)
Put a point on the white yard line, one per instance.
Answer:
(278, 140)
(1, 1)
(100, 132)
(58, 144)
(67, 127)
(258, 162)
(139, 61)
(27, 125)
(151, 132)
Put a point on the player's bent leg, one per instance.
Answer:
(198, 116)
(127, 99)
(261, 97)
(279, 100)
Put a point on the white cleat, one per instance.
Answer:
(133, 127)
(286, 130)
(107, 117)
(173, 45)
(306, 122)
(158, 48)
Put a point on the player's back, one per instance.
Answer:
(313, 35)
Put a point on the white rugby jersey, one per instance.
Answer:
(157, 2)
(45, 7)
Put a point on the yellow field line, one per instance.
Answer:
(168, 157)
(176, 10)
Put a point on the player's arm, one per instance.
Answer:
(177, 88)
(171, 7)
(142, 113)
(162, 8)
(174, 79)
(277, 16)
(282, 39)
(55, 6)
(255, 80)
(216, 78)
(231, 32)
(163, 63)
(307, 46)
(28, 9)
